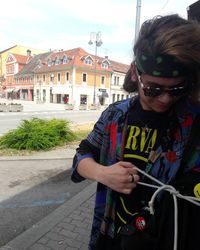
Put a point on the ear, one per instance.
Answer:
(133, 72)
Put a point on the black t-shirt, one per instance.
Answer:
(145, 132)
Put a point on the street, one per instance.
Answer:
(30, 192)
(10, 120)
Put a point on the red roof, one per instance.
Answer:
(21, 58)
(76, 57)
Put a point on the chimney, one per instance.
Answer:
(28, 52)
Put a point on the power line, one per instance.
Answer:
(164, 6)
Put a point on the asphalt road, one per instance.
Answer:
(12, 120)
(42, 193)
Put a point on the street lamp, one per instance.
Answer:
(96, 39)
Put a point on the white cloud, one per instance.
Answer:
(106, 12)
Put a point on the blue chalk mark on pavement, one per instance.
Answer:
(36, 203)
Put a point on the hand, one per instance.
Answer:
(121, 177)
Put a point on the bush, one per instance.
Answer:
(38, 134)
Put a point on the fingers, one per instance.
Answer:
(121, 177)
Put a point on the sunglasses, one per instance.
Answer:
(176, 91)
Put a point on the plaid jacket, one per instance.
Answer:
(106, 146)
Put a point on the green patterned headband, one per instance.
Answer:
(160, 65)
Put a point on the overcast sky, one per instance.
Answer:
(65, 24)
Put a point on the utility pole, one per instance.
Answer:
(137, 20)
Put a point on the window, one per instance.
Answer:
(57, 61)
(113, 97)
(10, 69)
(65, 60)
(67, 76)
(43, 77)
(44, 95)
(51, 77)
(88, 61)
(118, 96)
(83, 99)
(59, 77)
(116, 80)
(84, 77)
(39, 64)
(104, 65)
(102, 79)
(49, 63)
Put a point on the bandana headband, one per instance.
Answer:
(160, 65)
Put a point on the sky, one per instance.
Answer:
(65, 24)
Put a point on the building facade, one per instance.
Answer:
(72, 76)
(16, 49)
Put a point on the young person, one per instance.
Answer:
(147, 132)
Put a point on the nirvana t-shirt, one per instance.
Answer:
(146, 130)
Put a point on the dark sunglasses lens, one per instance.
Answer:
(152, 92)
(179, 91)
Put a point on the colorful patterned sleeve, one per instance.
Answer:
(89, 147)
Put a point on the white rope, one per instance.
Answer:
(174, 193)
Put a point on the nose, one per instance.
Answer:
(165, 97)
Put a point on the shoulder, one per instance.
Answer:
(186, 107)
(122, 106)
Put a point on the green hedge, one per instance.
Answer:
(38, 134)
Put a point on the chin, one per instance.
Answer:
(161, 109)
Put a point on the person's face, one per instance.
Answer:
(159, 93)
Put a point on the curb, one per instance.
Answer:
(33, 234)
(35, 159)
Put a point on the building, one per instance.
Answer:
(118, 74)
(25, 79)
(73, 76)
(16, 49)
(14, 63)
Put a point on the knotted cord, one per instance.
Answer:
(175, 193)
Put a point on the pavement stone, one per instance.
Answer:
(66, 228)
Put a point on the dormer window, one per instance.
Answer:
(88, 60)
(57, 61)
(49, 63)
(65, 60)
(105, 65)
(39, 64)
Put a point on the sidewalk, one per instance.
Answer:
(67, 227)
(29, 106)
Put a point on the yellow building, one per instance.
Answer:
(73, 76)
(17, 49)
